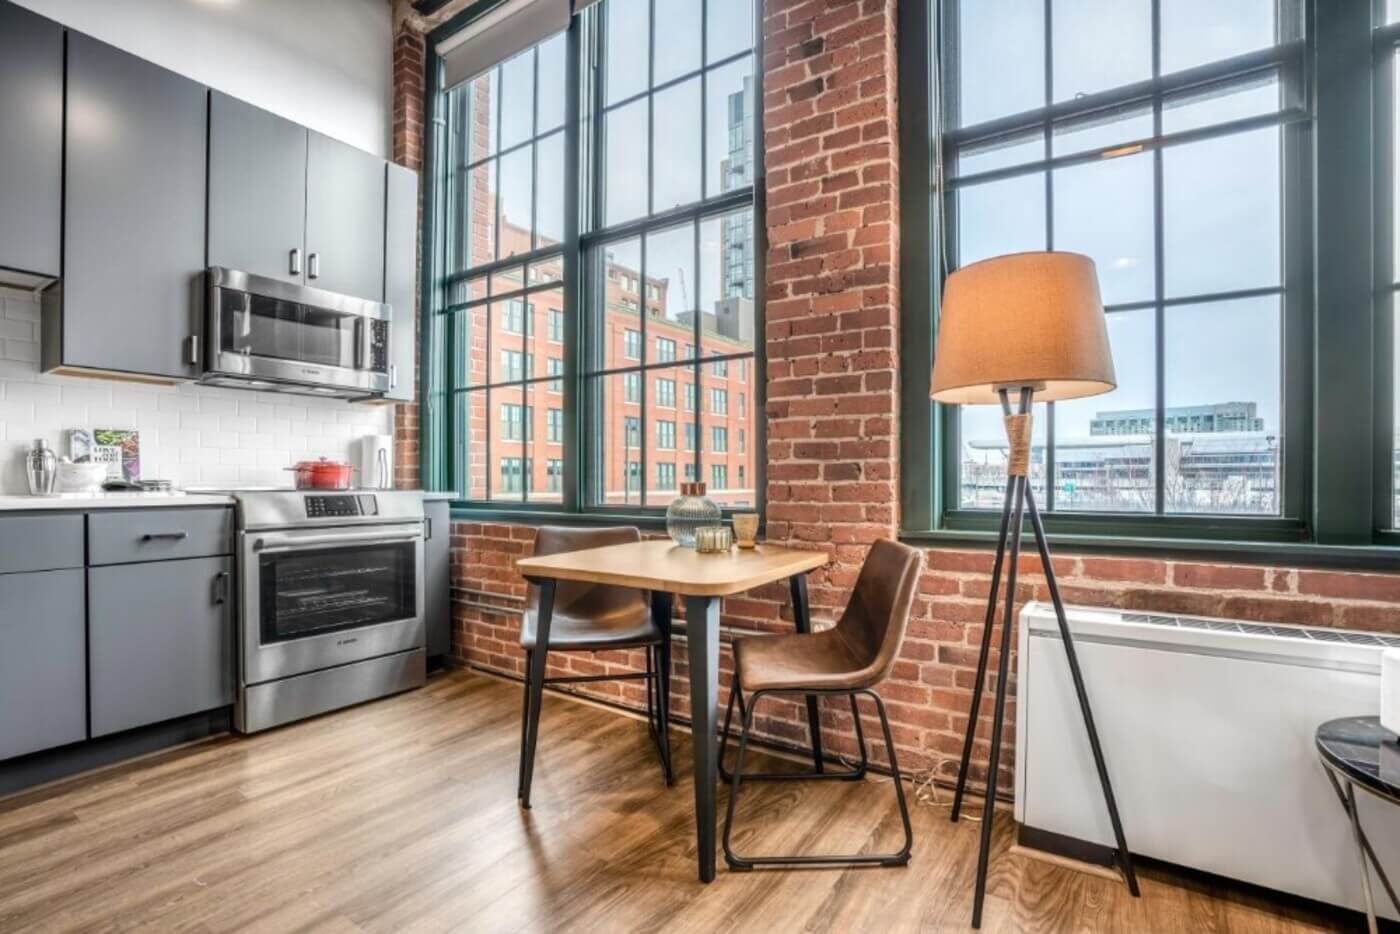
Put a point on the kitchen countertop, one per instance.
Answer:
(111, 501)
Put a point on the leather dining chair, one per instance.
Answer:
(597, 618)
(849, 659)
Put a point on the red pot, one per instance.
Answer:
(323, 474)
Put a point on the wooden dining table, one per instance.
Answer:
(702, 580)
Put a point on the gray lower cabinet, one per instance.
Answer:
(134, 212)
(31, 141)
(344, 219)
(43, 679)
(437, 577)
(160, 643)
(401, 278)
(257, 190)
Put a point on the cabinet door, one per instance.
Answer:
(31, 143)
(437, 577)
(160, 641)
(134, 213)
(257, 190)
(43, 682)
(401, 279)
(344, 219)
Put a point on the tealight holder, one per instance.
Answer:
(713, 539)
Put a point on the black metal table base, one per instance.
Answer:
(1019, 502)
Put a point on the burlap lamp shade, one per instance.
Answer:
(1027, 319)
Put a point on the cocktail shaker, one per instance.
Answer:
(41, 467)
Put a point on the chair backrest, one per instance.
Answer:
(877, 615)
(583, 600)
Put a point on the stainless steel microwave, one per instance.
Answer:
(267, 334)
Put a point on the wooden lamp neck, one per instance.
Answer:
(1018, 430)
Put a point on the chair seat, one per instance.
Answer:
(816, 661)
(626, 629)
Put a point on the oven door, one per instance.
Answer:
(317, 598)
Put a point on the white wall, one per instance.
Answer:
(326, 64)
(189, 434)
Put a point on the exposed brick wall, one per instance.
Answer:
(832, 345)
(408, 142)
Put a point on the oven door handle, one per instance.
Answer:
(319, 541)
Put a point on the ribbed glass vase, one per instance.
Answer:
(691, 510)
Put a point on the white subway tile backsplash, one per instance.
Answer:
(189, 434)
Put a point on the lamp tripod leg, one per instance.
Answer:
(987, 625)
(1125, 858)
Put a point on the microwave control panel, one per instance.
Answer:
(338, 507)
(379, 346)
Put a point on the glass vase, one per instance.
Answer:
(688, 512)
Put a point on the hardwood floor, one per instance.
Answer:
(401, 815)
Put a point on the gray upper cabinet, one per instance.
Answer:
(344, 219)
(160, 641)
(31, 141)
(257, 190)
(401, 277)
(43, 681)
(134, 212)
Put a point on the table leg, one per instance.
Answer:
(1361, 857)
(702, 643)
(802, 621)
(538, 662)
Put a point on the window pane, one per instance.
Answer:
(546, 447)
(982, 475)
(726, 283)
(469, 412)
(1195, 32)
(1001, 58)
(554, 84)
(508, 475)
(1222, 221)
(627, 40)
(517, 202)
(620, 288)
(730, 29)
(546, 325)
(1104, 209)
(625, 161)
(1224, 407)
(1006, 216)
(482, 106)
(669, 286)
(517, 99)
(618, 479)
(507, 362)
(1001, 153)
(1221, 103)
(676, 146)
(469, 327)
(677, 39)
(1100, 44)
(477, 224)
(549, 191)
(729, 112)
(1105, 446)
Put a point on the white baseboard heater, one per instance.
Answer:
(1207, 726)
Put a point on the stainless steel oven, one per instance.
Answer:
(331, 588)
(268, 334)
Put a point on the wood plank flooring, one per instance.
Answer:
(401, 816)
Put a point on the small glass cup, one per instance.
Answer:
(746, 529)
(713, 539)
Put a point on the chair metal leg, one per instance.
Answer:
(743, 863)
(656, 713)
(537, 666)
(851, 775)
(524, 723)
(664, 707)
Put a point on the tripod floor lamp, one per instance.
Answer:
(1029, 326)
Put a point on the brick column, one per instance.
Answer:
(408, 142)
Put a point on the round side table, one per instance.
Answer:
(1360, 753)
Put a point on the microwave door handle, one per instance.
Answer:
(363, 350)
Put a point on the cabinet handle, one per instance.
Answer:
(313, 265)
(221, 580)
(295, 269)
(427, 528)
(393, 376)
(192, 349)
(165, 536)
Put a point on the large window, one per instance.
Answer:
(596, 272)
(1172, 156)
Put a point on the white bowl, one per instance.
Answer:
(80, 478)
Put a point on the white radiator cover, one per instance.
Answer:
(1207, 727)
